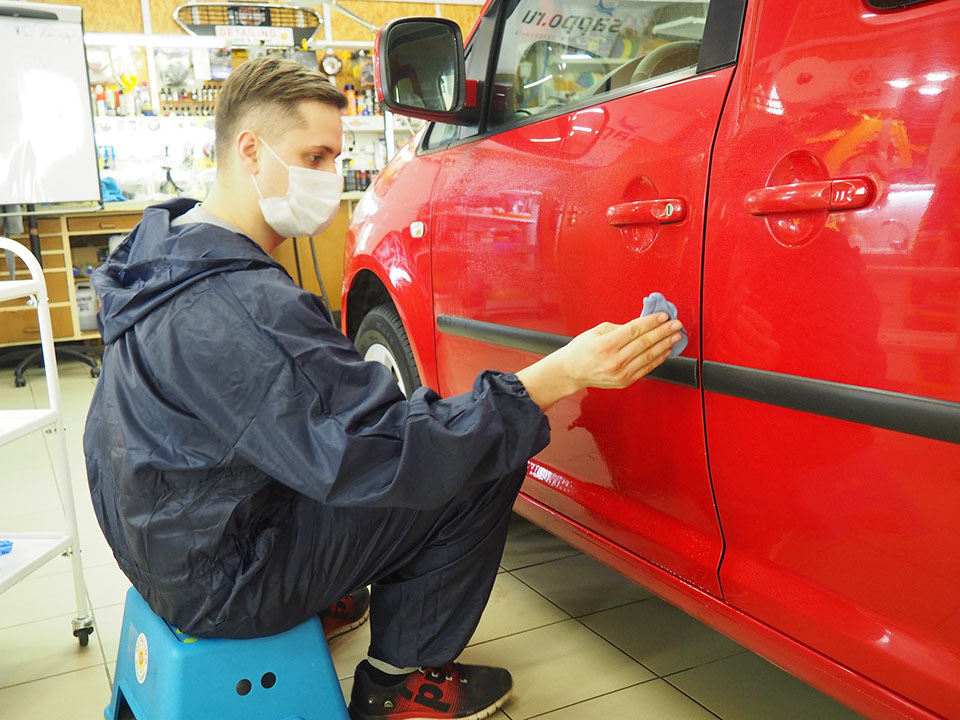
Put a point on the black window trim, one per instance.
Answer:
(484, 90)
(893, 4)
(720, 48)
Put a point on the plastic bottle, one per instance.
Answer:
(380, 154)
(86, 307)
(146, 105)
(101, 100)
(111, 101)
(351, 99)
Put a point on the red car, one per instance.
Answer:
(788, 174)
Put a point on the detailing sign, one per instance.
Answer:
(254, 35)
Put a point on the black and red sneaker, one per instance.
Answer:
(464, 692)
(349, 612)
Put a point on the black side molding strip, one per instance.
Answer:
(679, 370)
(911, 414)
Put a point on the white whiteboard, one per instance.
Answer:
(47, 148)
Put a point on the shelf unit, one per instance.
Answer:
(66, 240)
(31, 550)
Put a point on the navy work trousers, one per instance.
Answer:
(431, 571)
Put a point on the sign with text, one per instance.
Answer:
(256, 35)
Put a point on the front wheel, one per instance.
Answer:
(381, 338)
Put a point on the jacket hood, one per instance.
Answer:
(155, 262)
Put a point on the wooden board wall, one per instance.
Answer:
(124, 15)
(109, 15)
(464, 15)
(380, 12)
(161, 16)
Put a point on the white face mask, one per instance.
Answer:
(311, 202)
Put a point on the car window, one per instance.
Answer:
(475, 56)
(440, 134)
(560, 52)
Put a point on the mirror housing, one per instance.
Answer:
(419, 70)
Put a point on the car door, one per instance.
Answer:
(583, 193)
(831, 337)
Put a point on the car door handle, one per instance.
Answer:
(647, 212)
(832, 195)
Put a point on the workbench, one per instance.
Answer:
(72, 237)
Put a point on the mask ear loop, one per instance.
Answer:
(272, 152)
(253, 176)
(256, 186)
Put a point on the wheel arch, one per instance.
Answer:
(367, 290)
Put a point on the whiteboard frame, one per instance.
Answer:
(57, 13)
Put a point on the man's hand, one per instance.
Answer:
(606, 356)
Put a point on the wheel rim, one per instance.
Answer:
(381, 354)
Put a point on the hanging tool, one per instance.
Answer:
(323, 290)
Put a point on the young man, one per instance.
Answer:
(248, 468)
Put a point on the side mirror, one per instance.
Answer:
(419, 70)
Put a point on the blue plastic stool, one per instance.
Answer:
(163, 674)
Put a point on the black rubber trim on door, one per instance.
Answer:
(911, 414)
(893, 4)
(678, 370)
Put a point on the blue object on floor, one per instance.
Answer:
(6, 546)
(163, 674)
(656, 302)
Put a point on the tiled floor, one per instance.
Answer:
(582, 642)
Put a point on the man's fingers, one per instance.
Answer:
(628, 332)
(646, 341)
(652, 355)
(646, 369)
(604, 328)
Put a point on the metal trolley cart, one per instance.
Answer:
(31, 550)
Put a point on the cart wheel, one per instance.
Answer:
(95, 372)
(83, 635)
(20, 381)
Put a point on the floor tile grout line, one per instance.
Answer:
(704, 664)
(544, 562)
(48, 677)
(615, 607)
(527, 585)
(692, 699)
(96, 628)
(501, 637)
(92, 566)
(71, 614)
(674, 672)
(591, 699)
(618, 649)
(520, 632)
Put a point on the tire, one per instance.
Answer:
(381, 338)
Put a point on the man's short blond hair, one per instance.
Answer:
(268, 91)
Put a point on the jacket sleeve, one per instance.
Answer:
(297, 401)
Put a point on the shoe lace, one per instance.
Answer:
(438, 671)
(447, 671)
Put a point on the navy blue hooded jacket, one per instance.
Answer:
(226, 395)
